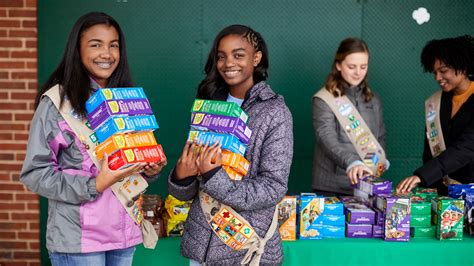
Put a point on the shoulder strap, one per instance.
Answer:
(365, 143)
(126, 189)
(234, 230)
(434, 132)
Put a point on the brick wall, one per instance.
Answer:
(19, 208)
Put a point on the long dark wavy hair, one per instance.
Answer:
(72, 75)
(457, 53)
(335, 83)
(213, 82)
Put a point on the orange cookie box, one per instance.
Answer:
(127, 140)
(236, 161)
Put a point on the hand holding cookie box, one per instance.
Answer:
(124, 124)
(224, 122)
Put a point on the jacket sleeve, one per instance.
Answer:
(325, 128)
(43, 170)
(270, 184)
(456, 156)
(426, 149)
(183, 190)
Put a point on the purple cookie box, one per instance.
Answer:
(359, 214)
(375, 186)
(125, 107)
(358, 230)
(221, 124)
(397, 219)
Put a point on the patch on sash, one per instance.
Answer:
(230, 229)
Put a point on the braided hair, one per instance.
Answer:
(213, 82)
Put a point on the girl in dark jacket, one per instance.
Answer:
(236, 71)
(451, 61)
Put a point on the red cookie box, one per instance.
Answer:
(125, 157)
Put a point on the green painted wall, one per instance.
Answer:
(168, 42)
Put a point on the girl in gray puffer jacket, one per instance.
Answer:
(236, 71)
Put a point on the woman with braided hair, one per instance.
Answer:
(236, 71)
(448, 156)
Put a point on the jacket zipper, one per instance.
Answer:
(207, 248)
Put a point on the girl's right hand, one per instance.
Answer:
(209, 158)
(357, 172)
(186, 165)
(108, 177)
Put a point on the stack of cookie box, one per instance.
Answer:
(359, 218)
(329, 222)
(396, 210)
(287, 218)
(123, 122)
(226, 123)
(420, 216)
(367, 190)
(310, 209)
(332, 218)
(448, 216)
(466, 192)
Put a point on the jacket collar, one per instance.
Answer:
(259, 92)
(352, 91)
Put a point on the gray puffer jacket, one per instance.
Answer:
(333, 151)
(270, 153)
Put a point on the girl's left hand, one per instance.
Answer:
(153, 169)
(408, 184)
(209, 158)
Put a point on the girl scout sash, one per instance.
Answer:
(234, 230)
(365, 143)
(125, 190)
(434, 132)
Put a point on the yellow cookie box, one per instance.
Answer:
(127, 140)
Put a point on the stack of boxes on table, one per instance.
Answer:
(364, 218)
(450, 219)
(318, 217)
(124, 123)
(226, 123)
(440, 216)
(421, 218)
(374, 212)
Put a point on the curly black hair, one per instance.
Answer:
(457, 53)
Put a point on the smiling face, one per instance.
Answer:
(236, 60)
(354, 67)
(448, 79)
(100, 52)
